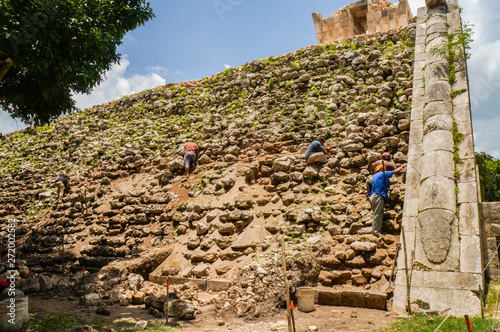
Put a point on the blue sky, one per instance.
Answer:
(193, 39)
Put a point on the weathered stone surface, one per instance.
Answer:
(437, 108)
(438, 140)
(437, 192)
(435, 233)
(363, 246)
(437, 91)
(437, 163)
(434, 3)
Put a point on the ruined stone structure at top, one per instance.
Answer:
(361, 17)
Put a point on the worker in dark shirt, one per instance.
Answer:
(316, 153)
(62, 186)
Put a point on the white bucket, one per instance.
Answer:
(305, 299)
(12, 318)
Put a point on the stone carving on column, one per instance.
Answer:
(437, 197)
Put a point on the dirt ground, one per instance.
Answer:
(323, 318)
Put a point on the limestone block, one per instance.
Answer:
(465, 128)
(429, 45)
(467, 170)
(437, 91)
(470, 258)
(416, 128)
(353, 299)
(363, 246)
(455, 302)
(437, 192)
(413, 177)
(467, 192)
(437, 70)
(420, 47)
(438, 140)
(438, 122)
(329, 297)
(218, 285)
(200, 270)
(469, 219)
(461, 99)
(436, 25)
(410, 208)
(466, 147)
(437, 107)
(438, 163)
(417, 106)
(376, 301)
(436, 233)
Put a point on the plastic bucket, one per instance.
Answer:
(305, 299)
(13, 317)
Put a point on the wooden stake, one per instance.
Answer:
(406, 271)
(481, 297)
(287, 290)
(293, 318)
(166, 301)
(85, 196)
(62, 252)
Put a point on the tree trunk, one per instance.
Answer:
(5, 66)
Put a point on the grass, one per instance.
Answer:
(66, 322)
(429, 323)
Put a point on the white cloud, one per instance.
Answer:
(158, 68)
(415, 4)
(116, 85)
(227, 66)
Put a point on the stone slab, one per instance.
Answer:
(438, 163)
(467, 192)
(454, 302)
(470, 259)
(437, 192)
(218, 285)
(469, 219)
(438, 140)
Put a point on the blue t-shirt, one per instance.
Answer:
(380, 183)
(313, 148)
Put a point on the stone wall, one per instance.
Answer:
(490, 220)
(366, 16)
(441, 215)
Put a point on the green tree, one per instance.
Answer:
(489, 177)
(50, 49)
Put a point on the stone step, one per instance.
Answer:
(350, 297)
(214, 285)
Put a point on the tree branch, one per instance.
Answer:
(6, 65)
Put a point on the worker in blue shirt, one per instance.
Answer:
(378, 194)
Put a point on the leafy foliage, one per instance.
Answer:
(455, 48)
(59, 47)
(489, 177)
(457, 45)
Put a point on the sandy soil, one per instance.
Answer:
(324, 318)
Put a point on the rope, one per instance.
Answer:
(496, 251)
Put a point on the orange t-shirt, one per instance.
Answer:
(191, 146)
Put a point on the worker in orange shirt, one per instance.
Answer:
(191, 154)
